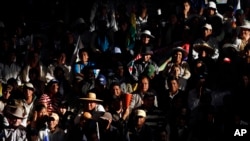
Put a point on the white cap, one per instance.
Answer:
(140, 113)
(211, 4)
(208, 26)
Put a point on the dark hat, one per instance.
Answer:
(184, 52)
(106, 116)
(147, 51)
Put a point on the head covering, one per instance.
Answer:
(91, 97)
(51, 82)
(147, 51)
(16, 111)
(64, 104)
(148, 33)
(29, 86)
(140, 113)
(184, 52)
(246, 25)
(54, 116)
(231, 46)
(208, 26)
(212, 5)
(106, 116)
(239, 12)
(203, 46)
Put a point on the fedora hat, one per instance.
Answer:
(91, 97)
(184, 52)
(203, 46)
(147, 50)
(246, 25)
(148, 33)
(16, 111)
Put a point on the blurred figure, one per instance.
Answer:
(138, 129)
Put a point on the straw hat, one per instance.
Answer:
(203, 46)
(91, 97)
(148, 33)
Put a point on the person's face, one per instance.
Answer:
(7, 93)
(147, 57)
(62, 58)
(207, 32)
(163, 136)
(145, 39)
(174, 86)
(245, 34)
(52, 124)
(144, 84)
(42, 113)
(211, 11)
(178, 56)
(177, 71)
(90, 105)
(14, 121)
(54, 88)
(186, 6)
(84, 56)
(62, 110)
(140, 120)
(28, 92)
(116, 90)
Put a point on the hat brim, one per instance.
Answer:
(148, 53)
(207, 48)
(245, 27)
(184, 52)
(143, 33)
(91, 99)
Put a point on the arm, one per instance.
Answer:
(163, 66)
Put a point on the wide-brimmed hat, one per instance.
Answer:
(91, 97)
(203, 46)
(148, 33)
(184, 52)
(16, 111)
(246, 25)
(106, 116)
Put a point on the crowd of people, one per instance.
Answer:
(126, 74)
